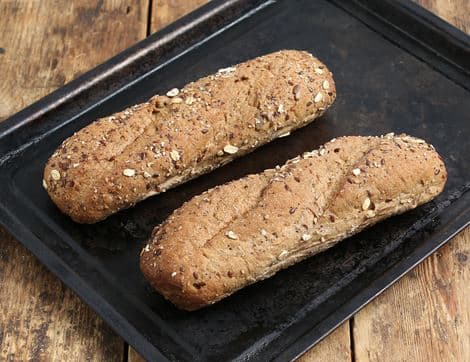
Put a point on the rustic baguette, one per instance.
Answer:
(246, 230)
(122, 159)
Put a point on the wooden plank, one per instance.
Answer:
(41, 319)
(44, 44)
(425, 316)
(336, 347)
(134, 356)
(455, 12)
(165, 12)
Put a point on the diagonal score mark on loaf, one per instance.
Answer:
(250, 190)
(286, 202)
(317, 198)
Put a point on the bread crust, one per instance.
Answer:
(246, 230)
(119, 160)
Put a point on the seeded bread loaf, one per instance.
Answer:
(247, 230)
(146, 149)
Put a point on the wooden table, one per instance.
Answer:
(45, 44)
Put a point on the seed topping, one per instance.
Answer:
(231, 235)
(296, 91)
(129, 172)
(177, 100)
(173, 92)
(370, 213)
(230, 149)
(175, 156)
(55, 175)
(227, 70)
(306, 237)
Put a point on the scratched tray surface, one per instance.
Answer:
(381, 88)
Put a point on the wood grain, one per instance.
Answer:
(44, 44)
(425, 316)
(165, 12)
(41, 319)
(455, 12)
(336, 347)
(134, 356)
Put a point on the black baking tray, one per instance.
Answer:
(397, 68)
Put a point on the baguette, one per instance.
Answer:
(119, 160)
(246, 230)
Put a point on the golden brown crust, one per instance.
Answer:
(247, 230)
(119, 160)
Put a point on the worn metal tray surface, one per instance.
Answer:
(397, 68)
